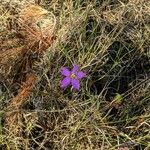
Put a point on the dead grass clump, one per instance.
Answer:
(32, 35)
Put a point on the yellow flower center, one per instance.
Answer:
(72, 75)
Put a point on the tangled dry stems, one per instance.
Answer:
(110, 40)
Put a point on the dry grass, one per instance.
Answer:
(109, 40)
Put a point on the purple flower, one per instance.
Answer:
(72, 77)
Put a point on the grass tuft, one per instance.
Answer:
(109, 40)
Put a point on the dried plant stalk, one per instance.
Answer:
(36, 39)
(13, 116)
(23, 93)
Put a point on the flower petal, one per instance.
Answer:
(65, 82)
(81, 75)
(65, 71)
(75, 84)
(75, 68)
